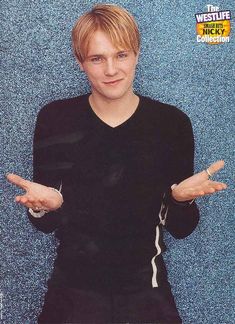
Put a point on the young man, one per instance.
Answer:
(123, 164)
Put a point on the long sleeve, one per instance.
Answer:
(46, 167)
(181, 218)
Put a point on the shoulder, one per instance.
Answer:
(63, 107)
(61, 116)
(165, 120)
(164, 112)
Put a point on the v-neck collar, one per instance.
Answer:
(98, 120)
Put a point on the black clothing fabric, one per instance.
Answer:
(116, 188)
(68, 305)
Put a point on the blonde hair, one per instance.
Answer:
(114, 21)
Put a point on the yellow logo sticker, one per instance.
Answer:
(213, 27)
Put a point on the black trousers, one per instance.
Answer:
(69, 305)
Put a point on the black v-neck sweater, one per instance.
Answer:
(113, 182)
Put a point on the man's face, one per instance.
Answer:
(110, 70)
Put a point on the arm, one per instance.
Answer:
(45, 168)
(40, 195)
(178, 203)
(180, 218)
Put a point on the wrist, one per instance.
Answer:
(175, 198)
(60, 196)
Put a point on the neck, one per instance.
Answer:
(114, 111)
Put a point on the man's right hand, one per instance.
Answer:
(37, 196)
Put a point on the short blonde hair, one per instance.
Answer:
(115, 21)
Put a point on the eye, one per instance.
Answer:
(122, 55)
(96, 59)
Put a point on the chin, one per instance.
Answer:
(115, 94)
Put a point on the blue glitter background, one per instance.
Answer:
(38, 66)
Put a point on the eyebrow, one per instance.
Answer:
(100, 55)
(94, 55)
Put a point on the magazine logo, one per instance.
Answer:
(213, 27)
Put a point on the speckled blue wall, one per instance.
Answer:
(38, 67)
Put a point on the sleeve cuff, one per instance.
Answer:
(169, 200)
(37, 214)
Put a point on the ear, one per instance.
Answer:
(137, 57)
(81, 66)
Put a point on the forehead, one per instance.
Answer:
(101, 43)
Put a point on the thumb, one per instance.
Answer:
(18, 181)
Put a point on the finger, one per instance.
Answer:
(215, 167)
(18, 181)
(208, 188)
(21, 199)
(38, 208)
(32, 199)
(216, 185)
(24, 201)
(29, 201)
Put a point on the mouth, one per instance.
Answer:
(112, 82)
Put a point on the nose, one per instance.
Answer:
(110, 67)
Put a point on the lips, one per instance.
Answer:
(112, 82)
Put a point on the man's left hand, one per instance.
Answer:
(199, 184)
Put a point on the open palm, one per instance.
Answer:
(199, 184)
(37, 196)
